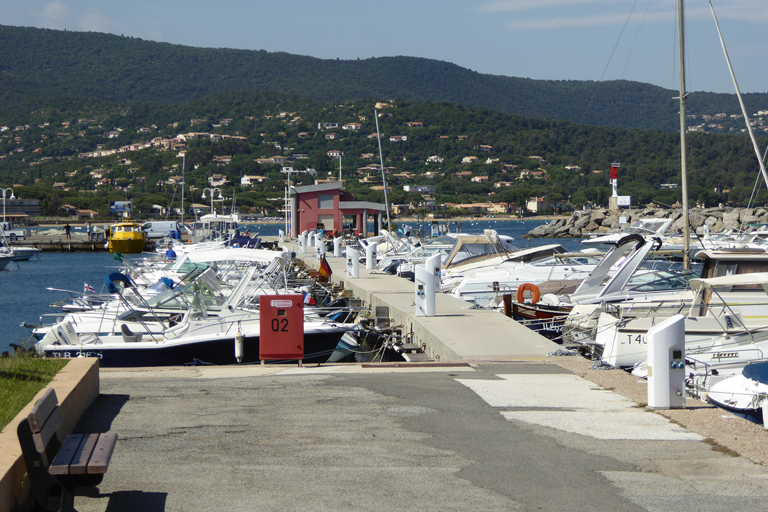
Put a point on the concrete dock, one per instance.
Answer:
(456, 333)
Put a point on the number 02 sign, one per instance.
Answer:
(281, 325)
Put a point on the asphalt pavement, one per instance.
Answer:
(490, 436)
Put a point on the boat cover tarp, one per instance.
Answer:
(111, 279)
(756, 371)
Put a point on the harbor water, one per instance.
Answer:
(25, 296)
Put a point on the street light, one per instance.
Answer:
(12, 197)
(212, 190)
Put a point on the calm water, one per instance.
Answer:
(24, 297)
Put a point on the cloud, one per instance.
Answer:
(556, 14)
(94, 20)
(527, 5)
(55, 15)
(58, 15)
(601, 20)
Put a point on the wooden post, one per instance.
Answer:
(507, 304)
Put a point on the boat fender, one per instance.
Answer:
(528, 286)
(239, 346)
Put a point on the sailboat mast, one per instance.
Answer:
(383, 177)
(183, 184)
(683, 167)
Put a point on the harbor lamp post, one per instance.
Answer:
(12, 197)
(212, 190)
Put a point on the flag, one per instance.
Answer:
(308, 298)
(325, 268)
(88, 288)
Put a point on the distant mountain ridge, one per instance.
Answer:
(42, 64)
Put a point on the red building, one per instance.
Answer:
(327, 205)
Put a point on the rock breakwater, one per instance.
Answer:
(599, 222)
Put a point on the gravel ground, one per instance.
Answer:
(723, 430)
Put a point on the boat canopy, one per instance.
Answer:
(755, 278)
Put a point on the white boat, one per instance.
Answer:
(726, 308)
(649, 227)
(745, 394)
(197, 337)
(5, 259)
(564, 272)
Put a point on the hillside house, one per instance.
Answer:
(251, 180)
(469, 160)
(222, 160)
(435, 159)
(217, 180)
(352, 126)
(540, 205)
(420, 189)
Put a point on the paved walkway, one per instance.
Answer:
(512, 436)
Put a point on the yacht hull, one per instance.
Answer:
(216, 350)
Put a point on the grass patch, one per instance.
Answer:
(21, 378)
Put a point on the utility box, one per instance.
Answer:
(353, 263)
(424, 280)
(666, 364)
(370, 256)
(281, 323)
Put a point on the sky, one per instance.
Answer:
(540, 39)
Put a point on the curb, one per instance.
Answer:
(77, 386)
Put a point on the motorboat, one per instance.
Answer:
(627, 271)
(559, 273)
(746, 394)
(726, 308)
(648, 227)
(126, 237)
(475, 253)
(196, 337)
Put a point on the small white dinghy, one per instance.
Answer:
(745, 395)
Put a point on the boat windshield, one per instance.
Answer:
(661, 280)
(471, 250)
(646, 227)
(570, 260)
(182, 298)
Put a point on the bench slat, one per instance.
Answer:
(42, 409)
(63, 459)
(79, 465)
(102, 453)
(48, 430)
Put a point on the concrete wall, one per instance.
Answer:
(77, 386)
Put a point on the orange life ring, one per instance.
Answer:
(528, 286)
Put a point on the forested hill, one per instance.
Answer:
(41, 64)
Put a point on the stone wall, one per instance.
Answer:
(585, 223)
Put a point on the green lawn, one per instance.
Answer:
(20, 380)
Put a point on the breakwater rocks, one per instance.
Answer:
(586, 223)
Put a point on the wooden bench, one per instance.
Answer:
(57, 468)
